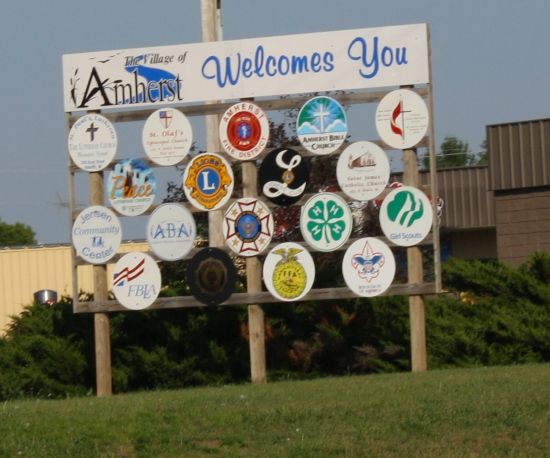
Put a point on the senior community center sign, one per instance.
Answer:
(289, 64)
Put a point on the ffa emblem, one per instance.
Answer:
(289, 271)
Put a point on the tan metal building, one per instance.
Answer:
(25, 270)
(519, 158)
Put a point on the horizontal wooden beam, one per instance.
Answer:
(277, 104)
(264, 297)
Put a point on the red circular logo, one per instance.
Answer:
(244, 131)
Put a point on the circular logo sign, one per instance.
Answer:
(406, 216)
(402, 119)
(326, 221)
(167, 136)
(322, 125)
(208, 181)
(368, 267)
(289, 271)
(92, 142)
(363, 170)
(248, 226)
(131, 187)
(136, 281)
(211, 276)
(171, 231)
(283, 176)
(244, 131)
(96, 234)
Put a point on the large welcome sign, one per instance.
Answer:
(291, 64)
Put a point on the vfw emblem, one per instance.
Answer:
(248, 226)
(368, 267)
(208, 181)
(136, 281)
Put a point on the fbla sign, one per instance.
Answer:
(289, 64)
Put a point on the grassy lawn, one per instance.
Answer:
(503, 411)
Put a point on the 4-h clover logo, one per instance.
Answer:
(326, 221)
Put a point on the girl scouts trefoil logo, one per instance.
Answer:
(406, 216)
(208, 181)
(322, 125)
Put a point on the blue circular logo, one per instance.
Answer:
(208, 181)
(248, 227)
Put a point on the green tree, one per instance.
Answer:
(453, 153)
(16, 234)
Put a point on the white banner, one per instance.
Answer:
(290, 64)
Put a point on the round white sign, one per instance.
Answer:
(136, 281)
(248, 226)
(406, 216)
(131, 187)
(288, 271)
(167, 136)
(96, 234)
(363, 170)
(244, 131)
(326, 221)
(92, 142)
(368, 267)
(322, 125)
(171, 231)
(208, 181)
(402, 119)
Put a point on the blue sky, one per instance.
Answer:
(490, 65)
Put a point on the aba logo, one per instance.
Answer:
(171, 230)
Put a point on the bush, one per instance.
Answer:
(494, 314)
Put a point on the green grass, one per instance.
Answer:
(503, 411)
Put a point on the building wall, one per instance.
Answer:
(23, 271)
(472, 244)
(523, 223)
(518, 154)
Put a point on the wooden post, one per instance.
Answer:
(101, 320)
(417, 316)
(211, 31)
(256, 324)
